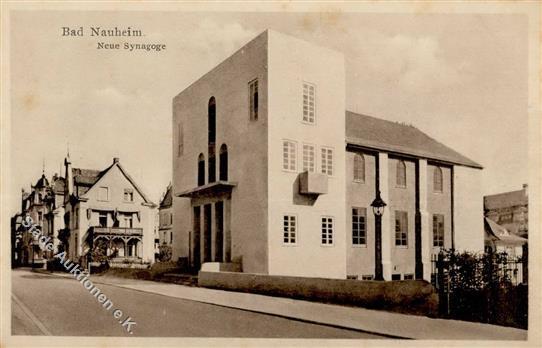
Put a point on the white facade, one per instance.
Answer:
(285, 205)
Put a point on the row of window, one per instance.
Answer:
(103, 194)
(400, 177)
(290, 230)
(359, 228)
(123, 220)
(289, 157)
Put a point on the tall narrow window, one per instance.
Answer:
(253, 93)
(211, 117)
(223, 159)
(308, 158)
(401, 228)
(327, 230)
(327, 161)
(437, 179)
(211, 177)
(211, 121)
(289, 228)
(438, 230)
(180, 139)
(309, 102)
(288, 155)
(201, 170)
(401, 174)
(359, 168)
(359, 233)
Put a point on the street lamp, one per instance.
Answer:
(378, 206)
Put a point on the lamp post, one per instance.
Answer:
(378, 206)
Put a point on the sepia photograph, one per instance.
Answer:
(270, 174)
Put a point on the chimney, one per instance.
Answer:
(69, 177)
(115, 160)
(526, 189)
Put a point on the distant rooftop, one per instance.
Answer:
(506, 199)
(167, 200)
(379, 134)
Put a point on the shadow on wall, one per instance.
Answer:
(302, 199)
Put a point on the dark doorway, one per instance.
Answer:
(207, 228)
(196, 241)
(219, 240)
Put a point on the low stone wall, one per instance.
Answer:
(407, 296)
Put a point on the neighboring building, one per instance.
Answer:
(499, 239)
(510, 210)
(107, 212)
(165, 223)
(37, 205)
(271, 176)
(54, 218)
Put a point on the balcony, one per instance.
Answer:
(312, 183)
(116, 231)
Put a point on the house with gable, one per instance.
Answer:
(107, 212)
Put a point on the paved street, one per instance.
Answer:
(44, 304)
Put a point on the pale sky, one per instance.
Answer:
(460, 78)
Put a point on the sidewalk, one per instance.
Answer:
(372, 321)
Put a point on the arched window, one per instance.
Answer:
(401, 173)
(223, 158)
(359, 168)
(211, 117)
(437, 179)
(201, 170)
(211, 121)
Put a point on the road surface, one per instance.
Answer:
(49, 305)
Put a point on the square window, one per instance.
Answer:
(103, 194)
(128, 195)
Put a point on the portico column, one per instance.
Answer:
(424, 216)
(383, 172)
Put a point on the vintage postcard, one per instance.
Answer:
(270, 173)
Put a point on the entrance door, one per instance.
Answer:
(196, 251)
(219, 240)
(207, 232)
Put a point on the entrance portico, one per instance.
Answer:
(210, 238)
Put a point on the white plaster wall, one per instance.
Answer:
(292, 61)
(247, 151)
(468, 209)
